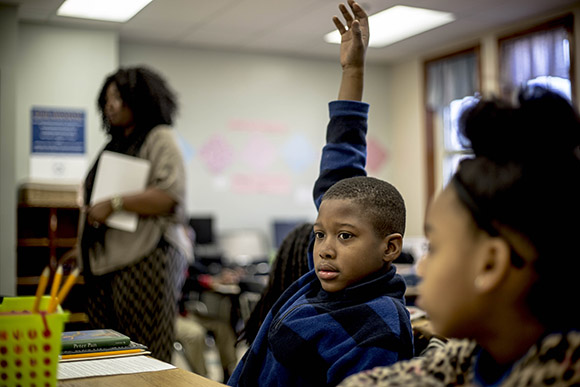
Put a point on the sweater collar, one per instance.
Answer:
(387, 283)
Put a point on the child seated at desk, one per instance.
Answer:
(348, 313)
(502, 265)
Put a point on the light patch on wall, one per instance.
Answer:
(303, 196)
(221, 183)
(298, 153)
(249, 125)
(271, 184)
(186, 149)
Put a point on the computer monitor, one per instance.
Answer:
(203, 228)
(282, 228)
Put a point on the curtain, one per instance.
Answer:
(450, 79)
(542, 53)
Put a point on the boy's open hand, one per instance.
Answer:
(355, 35)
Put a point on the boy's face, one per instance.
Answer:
(346, 247)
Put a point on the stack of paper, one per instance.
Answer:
(119, 174)
(129, 365)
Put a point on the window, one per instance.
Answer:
(454, 149)
(451, 83)
(541, 55)
(561, 85)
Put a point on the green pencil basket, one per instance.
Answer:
(29, 342)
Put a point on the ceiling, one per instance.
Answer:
(291, 27)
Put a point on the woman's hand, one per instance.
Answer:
(99, 213)
(151, 202)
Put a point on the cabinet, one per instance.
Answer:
(47, 223)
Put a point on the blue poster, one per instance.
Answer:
(57, 130)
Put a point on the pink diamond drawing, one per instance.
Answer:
(376, 155)
(217, 154)
(259, 153)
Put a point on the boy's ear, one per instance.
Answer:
(393, 247)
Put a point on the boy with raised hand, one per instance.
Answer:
(347, 314)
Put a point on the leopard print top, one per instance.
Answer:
(554, 362)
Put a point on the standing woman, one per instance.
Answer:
(134, 278)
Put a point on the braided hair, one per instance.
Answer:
(291, 263)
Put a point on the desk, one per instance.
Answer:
(175, 378)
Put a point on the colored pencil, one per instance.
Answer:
(54, 289)
(63, 292)
(41, 289)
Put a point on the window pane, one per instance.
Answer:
(538, 55)
(560, 85)
(451, 138)
(450, 163)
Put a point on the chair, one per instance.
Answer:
(248, 301)
(244, 247)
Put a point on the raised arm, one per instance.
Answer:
(353, 46)
(344, 154)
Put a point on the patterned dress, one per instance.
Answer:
(140, 300)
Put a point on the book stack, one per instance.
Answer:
(98, 344)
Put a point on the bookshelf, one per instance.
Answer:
(47, 224)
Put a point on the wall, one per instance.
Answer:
(8, 68)
(61, 67)
(257, 106)
(409, 139)
(42, 66)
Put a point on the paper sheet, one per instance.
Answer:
(117, 366)
(119, 174)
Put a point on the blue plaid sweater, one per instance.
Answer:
(315, 338)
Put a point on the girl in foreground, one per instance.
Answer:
(504, 258)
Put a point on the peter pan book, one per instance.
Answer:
(92, 339)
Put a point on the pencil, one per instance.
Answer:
(54, 289)
(99, 354)
(41, 288)
(63, 292)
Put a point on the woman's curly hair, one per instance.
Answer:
(146, 93)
